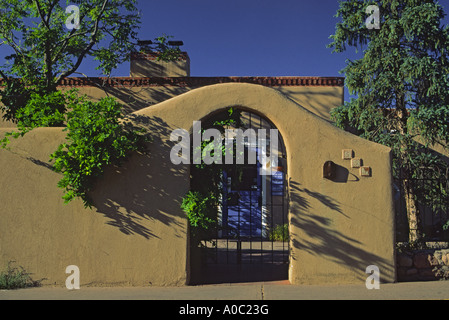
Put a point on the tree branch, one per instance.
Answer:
(55, 2)
(14, 46)
(93, 41)
(65, 42)
(41, 14)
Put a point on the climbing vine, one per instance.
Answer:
(97, 136)
(202, 203)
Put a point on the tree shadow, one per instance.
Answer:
(146, 188)
(296, 196)
(142, 190)
(317, 102)
(135, 97)
(323, 239)
(40, 163)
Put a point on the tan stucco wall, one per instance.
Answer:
(138, 234)
(317, 99)
(338, 228)
(154, 68)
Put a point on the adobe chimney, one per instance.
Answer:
(145, 64)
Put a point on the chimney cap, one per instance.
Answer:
(144, 42)
(175, 43)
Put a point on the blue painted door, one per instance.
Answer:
(242, 207)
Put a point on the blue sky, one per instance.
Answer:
(248, 37)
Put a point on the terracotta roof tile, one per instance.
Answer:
(202, 81)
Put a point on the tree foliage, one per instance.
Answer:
(45, 51)
(97, 136)
(48, 43)
(401, 83)
(202, 203)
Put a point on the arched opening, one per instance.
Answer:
(247, 239)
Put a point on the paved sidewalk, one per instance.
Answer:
(437, 290)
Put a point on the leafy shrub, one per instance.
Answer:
(43, 110)
(16, 278)
(14, 96)
(39, 110)
(201, 211)
(97, 137)
(202, 203)
(279, 233)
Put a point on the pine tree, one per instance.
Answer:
(401, 85)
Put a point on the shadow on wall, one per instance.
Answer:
(146, 189)
(320, 103)
(143, 97)
(135, 98)
(325, 240)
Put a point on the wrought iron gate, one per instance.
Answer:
(251, 238)
(432, 188)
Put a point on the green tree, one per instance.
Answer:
(48, 41)
(401, 86)
(44, 51)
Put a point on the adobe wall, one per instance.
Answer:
(318, 95)
(137, 233)
(338, 228)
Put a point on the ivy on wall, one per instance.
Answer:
(202, 203)
(97, 137)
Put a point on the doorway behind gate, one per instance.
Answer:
(250, 241)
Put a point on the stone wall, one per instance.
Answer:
(423, 265)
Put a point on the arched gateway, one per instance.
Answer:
(336, 187)
(340, 222)
(247, 239)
